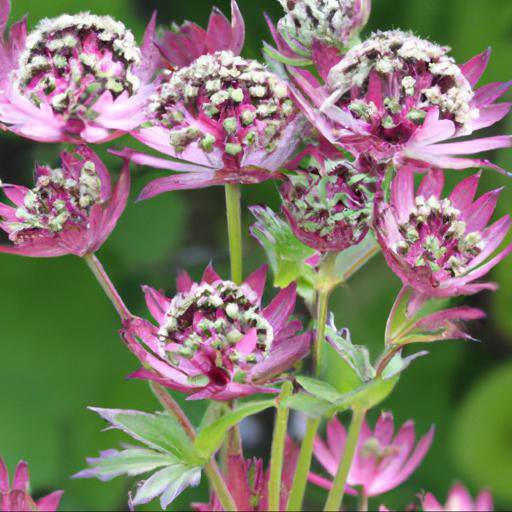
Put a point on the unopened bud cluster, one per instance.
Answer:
(225, 101)
(70, 61)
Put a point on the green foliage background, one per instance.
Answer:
(59, 350)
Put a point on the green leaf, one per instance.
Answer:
(132, 462)
(210, 439)
(348, 262)
(309, 405)
(319, 389)
(159, 431)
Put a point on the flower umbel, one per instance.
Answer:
(229, 117)
(439, 247)
(75, 78)
(381, 463)
(17, 498)
(329, 203)
(214, 341)
(70, 210)
(458, 499)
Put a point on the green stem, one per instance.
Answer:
(335, 498)
(277, 454)
(108, 287)
(363, 501)
(300, 479)
(211, 468)
(322, 312)
(234, 215)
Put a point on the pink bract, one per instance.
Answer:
(75, 78)
(440, 247)
(329, 200)
(16, 498)
(71, 210)
(458, 499)
(213, 339)
(402, 98)
(381, 463)
(184, 44)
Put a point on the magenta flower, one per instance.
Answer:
(401, 97)
(75, 78)
(381, 463)
(213, 339)
(439, 247)
(248, 483)
(329, 203)
(458, 499)
(180, 46)
(224, 118)
(71, 210)
(17, 497)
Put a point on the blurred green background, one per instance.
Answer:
(60, 351)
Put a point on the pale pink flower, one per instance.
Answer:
(75, 78)
(183, 44)
(402, 98)
(381, 463)
(222, 119)
(329, 200)
(70, 210)
(440, 247)
(214, 340)
(458, 499)
(16, 498)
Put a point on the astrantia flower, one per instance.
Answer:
(230, 118)
(329, 203)
(439, 247)
(381, 463)
(330, 22)
(248, 483)
(70, 210)
(213, 339)
(74, 78)
(181, 45)
(458, 499)
(17, 497)
(398, 96)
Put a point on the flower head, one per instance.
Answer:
(329, 204)
(183, 44)
(17, 498)
(229, 117)
(74, 78)
(330, 22)
(213, 339)
(439, 247)
(398, 95)
(70, 210)
(381, 463)
(458, 499)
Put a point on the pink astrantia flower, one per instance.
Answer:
(75, 78)
(71, 210)
(381, 463)
(458, 499)
(402, 97)
(213, 339)
(16, 498)
(222, 119)
(317, 31)
(181, 45)
(329, 202)
(439, 247)
(248, 483)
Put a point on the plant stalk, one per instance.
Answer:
(108, 287)
(219, 486)
(234, 216)
(363, 501)
(277, 453)
(336, 494)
